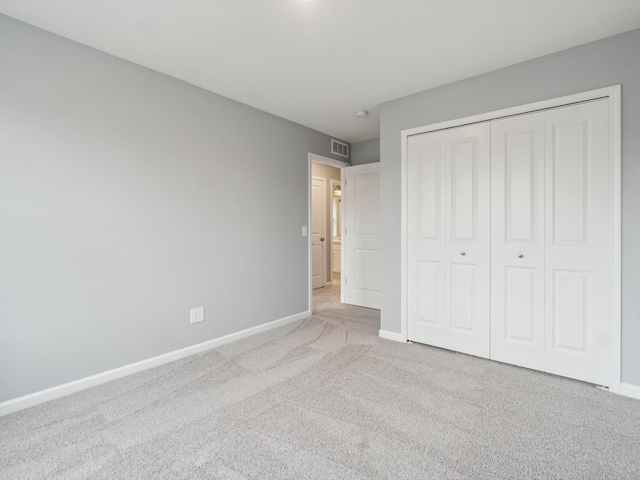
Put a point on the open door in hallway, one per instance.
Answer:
(361, 242)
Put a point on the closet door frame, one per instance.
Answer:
(614, 103)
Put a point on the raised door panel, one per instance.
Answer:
(467, 242)
(365, 190)
(464, 188)
(570, 311)
(569, 165)
(429, 192)
(425, 244)
(462, 304)
(517, 240)
(579, 331)
(520, 306)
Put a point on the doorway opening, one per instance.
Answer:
(326, 226)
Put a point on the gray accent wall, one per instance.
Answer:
(127, 198)
(607, 62)
(367, 151)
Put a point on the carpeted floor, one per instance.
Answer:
(325, 398)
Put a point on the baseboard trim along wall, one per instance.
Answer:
(52, 393)
(396, 337)
(629, 390)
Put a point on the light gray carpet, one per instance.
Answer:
(325, 398)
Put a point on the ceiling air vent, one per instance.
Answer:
(340, 148)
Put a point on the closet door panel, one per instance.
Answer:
(448, 239)
(463, 181)
(579, 243)
(425, 242)
(517, 240)
(467, 242)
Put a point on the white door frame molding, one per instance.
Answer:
(314, 157)
(613, 94)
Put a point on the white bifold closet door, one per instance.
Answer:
(517, 240)
(552, 285)
(511, 242)
(579, 245)
(448, 239)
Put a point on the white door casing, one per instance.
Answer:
(517, 240)
(448, 238)
(361, 239)
(318, 231)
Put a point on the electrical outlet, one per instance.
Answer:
(304, 230)
(197, 315)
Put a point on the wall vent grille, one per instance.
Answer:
(339, 148)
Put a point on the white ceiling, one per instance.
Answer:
(317, 62)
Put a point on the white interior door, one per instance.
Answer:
(361, 241)
(448, 238)
(517, 240)
(579, 245)
(318, 231)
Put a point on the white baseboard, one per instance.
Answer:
(629, 390)
(396, 337)
(52, 393)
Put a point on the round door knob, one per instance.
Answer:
(462, 253)
(322, 239)
(520, 255)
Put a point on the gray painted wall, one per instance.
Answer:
(127, 198)
(367, 151)
(328, 173)
(604, 63)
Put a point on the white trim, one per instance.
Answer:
(343, 237)
(314, 157)
(396, 337)
(518, 110)
(629, 390)
(404, 316)
(615, 115)
(42, 396)
(615, 125)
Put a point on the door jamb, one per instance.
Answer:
(311, 158)
(613, 93)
